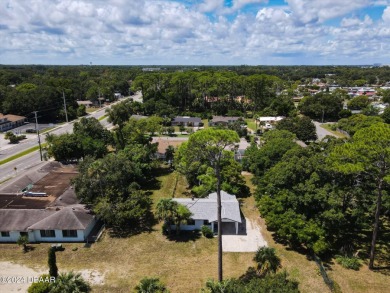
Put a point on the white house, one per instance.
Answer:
(204, 212)
(66, 224)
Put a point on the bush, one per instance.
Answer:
(351, 263)
(206, 231)
(41, 286)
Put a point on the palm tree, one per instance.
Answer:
(181, 214)
(70, 282)
(165, 210)
(267, 261)
(23, 241)
(151, 285)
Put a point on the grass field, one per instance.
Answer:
(338, 134)
(184, 266)
(251, 124)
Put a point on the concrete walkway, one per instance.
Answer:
(244, 243)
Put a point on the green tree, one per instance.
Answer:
(267, 261)
(368, 154)
(23, 241)
(303, 127)
(70, 282)
(151, 285)
(213, 145)
(165, 211)
(386, 115)
(52, 262)
(180, 215)
(358, 103)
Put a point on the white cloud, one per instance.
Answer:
(210, 5)
(354, 21)
(169, 32)
(238, 4)
(313, 11)
(386, 15)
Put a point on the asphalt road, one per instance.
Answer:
(321, 132)
(28, 161)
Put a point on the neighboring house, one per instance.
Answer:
(66, 224)
(163, 144)
(87, 104)
(186, 121)
(221, 120)
(270, 120)
(10, 121)
(138, 117)
(204, 212)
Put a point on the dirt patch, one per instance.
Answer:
(17, 278)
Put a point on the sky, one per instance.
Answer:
(195, 32)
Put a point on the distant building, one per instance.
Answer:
(10, 121)
(87, 104)
(186, 121)
(222, 120)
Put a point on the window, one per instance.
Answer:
(190, 222)
(206, 222)
(23, 234)
(48, 233)
(69, 233)
(4, 234)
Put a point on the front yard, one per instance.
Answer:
(184, 266)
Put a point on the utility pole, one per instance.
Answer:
(66, 113)
(100, 103)
(39, 137)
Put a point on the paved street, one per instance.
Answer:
(321, 132)
(26, 162)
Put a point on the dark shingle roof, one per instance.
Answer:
(184, 119)
(21, 219)
(67, 218)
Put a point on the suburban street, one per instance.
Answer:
(28, 161)
(321, 132)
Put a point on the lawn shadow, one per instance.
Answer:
(184, 236)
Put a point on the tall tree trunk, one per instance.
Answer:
(376, 226)
(220, 274)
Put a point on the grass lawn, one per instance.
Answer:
(91, 109)
(251, 124)
(184, 266)
(338, 134)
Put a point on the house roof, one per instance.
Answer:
(206, 208)
(217, 119)
(67, 218)
(186, 119)
(84, 103)
(21, 219)
(12, 118)
(138, 117)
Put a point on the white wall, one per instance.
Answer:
(198, 225)
(59, 237)
(13, 237)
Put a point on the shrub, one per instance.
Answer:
(206, 231)
(40, 286)
(351, 263)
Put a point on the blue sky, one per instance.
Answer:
(195, 32)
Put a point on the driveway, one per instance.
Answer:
(244, 243)
(322, 132)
